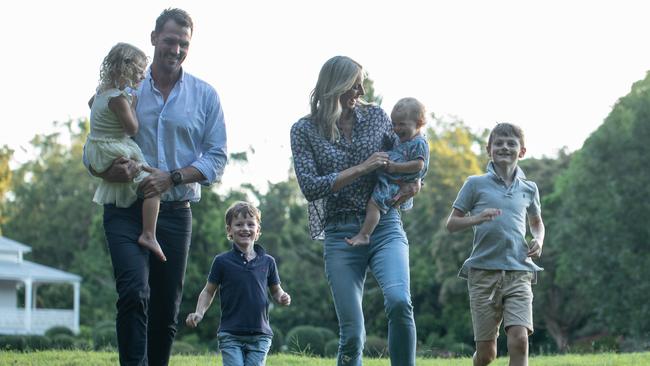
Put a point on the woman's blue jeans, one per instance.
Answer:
(387, 257)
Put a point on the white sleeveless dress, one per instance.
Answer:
(106, 142)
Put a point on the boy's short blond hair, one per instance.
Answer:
(245, 209)
(506, 130)
(409, 108)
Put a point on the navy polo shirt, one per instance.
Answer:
(243, 289)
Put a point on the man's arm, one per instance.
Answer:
(459, 220)
(213, 144)
(202, 304)
(159, 181)
(538, 232)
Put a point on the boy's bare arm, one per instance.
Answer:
(412, 166)
(280, 296)
(459, 220)
(538, 231)
(202, 305)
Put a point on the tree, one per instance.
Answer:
(5, 178)
(436, 256)
(556, 311)
(601, 231)
(370, 96)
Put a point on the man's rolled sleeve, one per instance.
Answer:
(213, 161)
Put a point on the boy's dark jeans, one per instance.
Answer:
(149, 291)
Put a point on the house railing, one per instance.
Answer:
(12, 321)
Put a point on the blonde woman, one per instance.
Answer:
(336, 150)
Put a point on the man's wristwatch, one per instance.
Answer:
(177, 177)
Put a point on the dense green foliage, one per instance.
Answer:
(594, 290)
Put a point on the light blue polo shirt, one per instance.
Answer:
(501, 243)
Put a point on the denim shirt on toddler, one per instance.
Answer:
(499, 244)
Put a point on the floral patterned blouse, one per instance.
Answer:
(317, 163)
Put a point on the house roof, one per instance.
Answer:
(37, 272)
(8, 245)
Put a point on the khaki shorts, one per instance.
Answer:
(496, 296)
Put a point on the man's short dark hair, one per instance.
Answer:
(180, 16)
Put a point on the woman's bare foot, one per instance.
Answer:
(149, 241)
(359, 239)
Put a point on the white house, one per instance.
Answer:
(16, 272)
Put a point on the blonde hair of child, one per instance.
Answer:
(122, 64)
(411, 109)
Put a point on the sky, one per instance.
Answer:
(556, 68)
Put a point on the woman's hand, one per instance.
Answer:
(375, 161)
(406, 191)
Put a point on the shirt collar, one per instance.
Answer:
(257, 248)
(519, 174)
(149, 79)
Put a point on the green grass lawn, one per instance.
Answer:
(82, 358)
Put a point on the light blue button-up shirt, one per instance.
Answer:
(500, 243)
(187, 129)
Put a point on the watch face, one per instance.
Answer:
(177, 178)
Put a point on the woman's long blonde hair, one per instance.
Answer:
(120, 65)
(337, 76)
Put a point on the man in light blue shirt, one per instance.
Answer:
(183, 138)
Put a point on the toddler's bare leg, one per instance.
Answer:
(369, 224)
(147, 239)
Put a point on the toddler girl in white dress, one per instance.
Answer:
(112, 123)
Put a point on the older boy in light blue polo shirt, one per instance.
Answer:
(500, 269)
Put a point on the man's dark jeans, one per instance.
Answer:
(149, 291)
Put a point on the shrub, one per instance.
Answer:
(62, 341)
(12, 343)
(36, 343)
(104, 336)
(183, 348)
(50, 333)
(332, 348)
(278, 340)
(375, 347)
(327, 333)
(213, 345)
(83, 344)
(444, 347)
(460, 349)
(306, 340)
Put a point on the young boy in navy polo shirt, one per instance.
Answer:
(500, 270)
(242, 276)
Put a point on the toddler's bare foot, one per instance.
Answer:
(359, 239)
(149, 241)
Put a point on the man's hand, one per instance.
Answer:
(193, 319)
(156, 183)
(535, 249)
(122, 170)
(406, 191)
